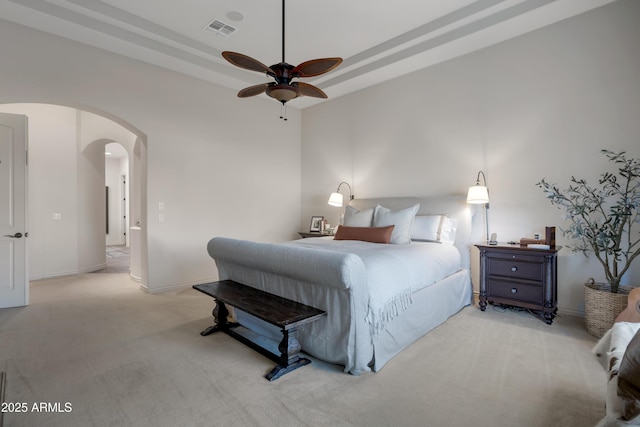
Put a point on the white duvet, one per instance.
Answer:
(393, 272)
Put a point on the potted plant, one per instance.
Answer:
(603, 220)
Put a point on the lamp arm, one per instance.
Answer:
(484, 178)
(347, 184)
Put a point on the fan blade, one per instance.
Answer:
(315, 67)
(305, 89)
(246, 62)
(253, 90)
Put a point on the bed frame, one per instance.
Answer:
(343, 336)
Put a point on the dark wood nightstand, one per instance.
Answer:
(519, 276)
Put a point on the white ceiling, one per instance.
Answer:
(378, 40)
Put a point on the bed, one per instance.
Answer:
(379, 298)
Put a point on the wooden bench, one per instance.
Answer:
(278, 311)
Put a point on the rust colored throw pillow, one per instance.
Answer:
(629, 379)
(366, 234)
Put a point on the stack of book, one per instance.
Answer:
(548, 242)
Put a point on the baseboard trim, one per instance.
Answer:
(175, 287)
(91, 269)
(570, 312)
(94, 268)
(561, 310)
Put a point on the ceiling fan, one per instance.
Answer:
(283, 89)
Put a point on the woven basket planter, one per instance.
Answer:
(601, 307)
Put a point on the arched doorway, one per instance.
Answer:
(64, 230)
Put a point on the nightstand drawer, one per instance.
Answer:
(516, 268)
(516, 291)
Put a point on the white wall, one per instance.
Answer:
(91, 208)
(219, 164)
(540, 105)
(53, 178)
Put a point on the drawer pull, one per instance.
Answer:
(514, 268)
(514, 291)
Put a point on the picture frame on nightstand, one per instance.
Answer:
(316, 224)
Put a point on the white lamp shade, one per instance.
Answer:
(478, 194)
(336, 199)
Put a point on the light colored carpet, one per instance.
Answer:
(117, 260)
(120, 357)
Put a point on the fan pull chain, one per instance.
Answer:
(283, 112)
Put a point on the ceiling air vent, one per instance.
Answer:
(220, 29)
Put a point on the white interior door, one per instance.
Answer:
(14, 289)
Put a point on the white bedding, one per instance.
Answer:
(393, 272)
(379, 298)
(417, 264)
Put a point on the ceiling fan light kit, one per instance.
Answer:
(283, 89)
(281, 92)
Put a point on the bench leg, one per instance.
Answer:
(289, 353)
(221, 322)
(280, 370)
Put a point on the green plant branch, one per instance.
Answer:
(602, 218)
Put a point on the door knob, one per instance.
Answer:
(15, 236)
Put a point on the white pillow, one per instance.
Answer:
(355, 218)
(448, 231)
(402, 220)
(426, 228)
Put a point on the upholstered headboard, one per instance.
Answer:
(469, 227)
